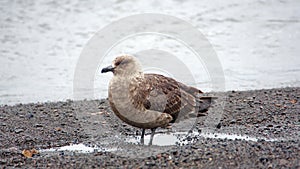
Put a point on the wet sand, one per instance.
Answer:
(270, 115)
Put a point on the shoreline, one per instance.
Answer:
(268, 113)
(85, 99)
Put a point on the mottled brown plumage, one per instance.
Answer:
(164, 94)
(149, 101)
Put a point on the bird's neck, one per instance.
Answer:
(128, 76)
(120, 87)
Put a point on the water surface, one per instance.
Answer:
(256, 41)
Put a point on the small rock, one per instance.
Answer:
(150, 163)
(38, 125)
(277, 105)
(263, 159)
(293, 101)
(17, 131)
(2, 161)
(75, 141)
(283, 161)
(278, 126)
(30, 153)
(232, 121)
(61, 153)
(218, 125)
(29, 115)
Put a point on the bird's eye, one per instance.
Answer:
(118, 63)
(121, 62)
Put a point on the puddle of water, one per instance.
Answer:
(80, 148)
(74, 147)
(182, 138)
(160, 139)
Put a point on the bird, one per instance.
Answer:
(148, 100)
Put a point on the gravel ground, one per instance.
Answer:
(265, 114)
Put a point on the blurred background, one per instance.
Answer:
(257, 42)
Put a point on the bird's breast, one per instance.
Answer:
(130, 109)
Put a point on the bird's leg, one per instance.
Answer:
(142, 137)
(152, 135)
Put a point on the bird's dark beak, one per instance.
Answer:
(107, 69)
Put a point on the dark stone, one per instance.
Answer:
(218, 125)
(18, 131)
(38, 125)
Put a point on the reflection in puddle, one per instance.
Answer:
(160, 139)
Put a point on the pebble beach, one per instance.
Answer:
(272, 116)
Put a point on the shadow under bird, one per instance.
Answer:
(149, 101)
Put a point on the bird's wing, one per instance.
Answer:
(163, 94)
(202, 102)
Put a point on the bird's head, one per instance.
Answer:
(124, 65)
